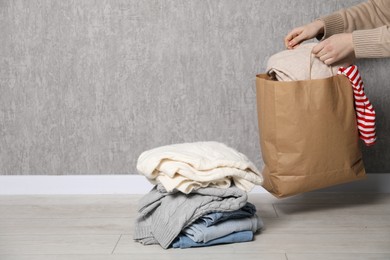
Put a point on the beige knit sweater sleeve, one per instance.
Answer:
(369, 23)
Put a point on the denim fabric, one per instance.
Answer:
(182, 241)
(199, 232)
(213, 218)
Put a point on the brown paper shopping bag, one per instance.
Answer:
(308, 134)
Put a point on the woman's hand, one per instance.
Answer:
(334, 48)
(303, 33)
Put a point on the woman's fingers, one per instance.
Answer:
(335, 48)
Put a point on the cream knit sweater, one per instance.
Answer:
(300, 64)
(189, 166)
(369, 23)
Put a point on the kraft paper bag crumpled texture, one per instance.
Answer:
(308, 134)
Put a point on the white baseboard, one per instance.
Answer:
(137, 184)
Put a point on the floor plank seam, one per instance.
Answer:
(276, 212)
(117, 242)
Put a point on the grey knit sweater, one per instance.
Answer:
(163, 215)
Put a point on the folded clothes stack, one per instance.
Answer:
(200, 196)
(221, 228)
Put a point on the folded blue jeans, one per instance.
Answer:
(199, 232)
(182, 241)
(213, 218)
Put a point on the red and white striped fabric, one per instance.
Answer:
(365, 113)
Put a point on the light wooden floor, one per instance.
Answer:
(315, 226)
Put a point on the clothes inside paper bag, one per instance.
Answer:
(299, 64)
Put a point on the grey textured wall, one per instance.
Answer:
(86, 86)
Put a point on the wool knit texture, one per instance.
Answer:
(189, 166)
(299, 64)
(163, 215)
(369, 24)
